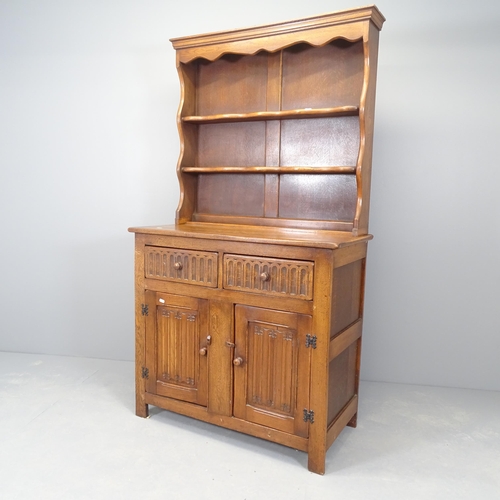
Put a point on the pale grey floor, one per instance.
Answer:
(68, 431)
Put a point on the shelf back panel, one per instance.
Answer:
(233, 146)
(320, 142)
(321, 197)
(240, 144)
(231, 194)
(243, 80)
(322, 77)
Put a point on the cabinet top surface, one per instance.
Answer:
(256, 234)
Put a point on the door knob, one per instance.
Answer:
(237, 361)
(265, 276)
(203, 351)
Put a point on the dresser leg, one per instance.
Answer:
(354, 421)
(316, 461)
(141, 409)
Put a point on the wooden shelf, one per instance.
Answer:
(271, 170)
(289, 114)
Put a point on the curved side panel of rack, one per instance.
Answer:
(187, 134)
(362, 137)
(366, 122)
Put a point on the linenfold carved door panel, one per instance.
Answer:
(176, 347)
(272, 368)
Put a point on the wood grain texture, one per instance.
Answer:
(142, 409)
(221, 195)
(344, 339)
(220, 357)
(316, 30)
(190, 232)
(271, 388)
(306, 104)
(175, 333)
(323, 77)
(286, 114)
(269, 276)
(249, 310)
(347, 295)
(342, 420)
(322, 197)
(173, 264)
(243, 79)
(201, 413)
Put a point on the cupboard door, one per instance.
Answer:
(176, 347)
(271, 368)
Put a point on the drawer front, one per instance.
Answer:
(186, 266)
(270, 276)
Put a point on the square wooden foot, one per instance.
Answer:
(142, 410)
(354, 421)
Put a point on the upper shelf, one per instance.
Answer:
(275, 115)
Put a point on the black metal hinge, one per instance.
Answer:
(145, 309)
(308, 416)
(311, 341)
(145, 372)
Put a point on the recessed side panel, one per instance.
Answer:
(341, 380)
(347, 294)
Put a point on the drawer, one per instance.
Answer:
(270, 276)
(186, 266)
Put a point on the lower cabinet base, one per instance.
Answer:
(347, 417)
(257, 336)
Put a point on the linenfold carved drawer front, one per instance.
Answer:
(173, 264)
(270, 276)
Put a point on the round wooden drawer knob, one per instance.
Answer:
(265, 276)
(178, 266)
(237, 361)
(203, 351)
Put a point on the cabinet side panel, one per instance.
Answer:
(341, 380)
(347, 290)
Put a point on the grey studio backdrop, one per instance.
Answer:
(89, 145)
